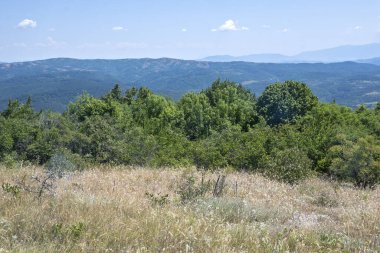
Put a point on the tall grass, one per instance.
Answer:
(127, 209)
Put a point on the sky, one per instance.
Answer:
(184, 29)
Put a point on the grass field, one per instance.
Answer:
(125, 209)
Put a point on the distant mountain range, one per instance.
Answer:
(375, 61)
(337, 54)
(54, 83)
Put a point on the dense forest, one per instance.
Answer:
(285, 133)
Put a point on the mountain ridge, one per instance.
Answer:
(53, 83)
(329, 55)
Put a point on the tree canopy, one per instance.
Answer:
(285, 133)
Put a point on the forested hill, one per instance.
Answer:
(53, 83)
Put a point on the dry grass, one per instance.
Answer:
(107, 210)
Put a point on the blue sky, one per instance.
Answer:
(191, 29)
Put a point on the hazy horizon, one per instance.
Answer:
(118, 29)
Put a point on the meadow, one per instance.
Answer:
(137, 209)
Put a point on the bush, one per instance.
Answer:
(356, 161)
(63, 161)
(289, 165)
(190, 190)
(10, 161)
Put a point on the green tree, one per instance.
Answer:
(197, 114)
(231, 104)
(284, 102)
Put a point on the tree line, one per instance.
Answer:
(285, 133)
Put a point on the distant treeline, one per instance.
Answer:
(285, 133)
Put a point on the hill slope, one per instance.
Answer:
(53, 83)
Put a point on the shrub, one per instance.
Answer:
(356, 161)
(12, 189)
(190, 190)
(63, 161)
(9, 161)
(289, 165)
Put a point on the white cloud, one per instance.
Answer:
(183, 30)
(229, 25)
(27, 23)
(265, 26)
(51, 29)
(118, 28)
(358, 27)
(285, 30)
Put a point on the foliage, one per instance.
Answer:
(357, 161)
(285, 133)
(285, 102)
(12, 189)
(290, 165)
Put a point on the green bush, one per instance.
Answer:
(356, 161)
(290, 165)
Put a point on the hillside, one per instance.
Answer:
(55, 82)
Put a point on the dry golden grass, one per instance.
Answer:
(107, 210)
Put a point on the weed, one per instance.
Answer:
(189, 190)
(12, 189)
(59, 230)
(38, 184)
(76, 230)
(232, 210)
(326, 199)
(158, 200)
